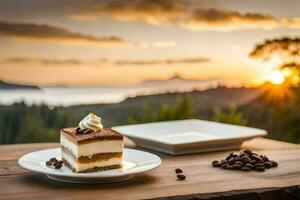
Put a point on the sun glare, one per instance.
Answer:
(276, 77)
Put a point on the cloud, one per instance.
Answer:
(100, 62)
(195, 60)
(222, 20)
(180, 13)
(55, 34)
(291, 23)
(157, 44)
(49, 61)
(150, 11)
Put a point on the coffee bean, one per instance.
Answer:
(253, 162)
(178, 170)
(260, 169)
(224, 166)
(53, 160)
(231, 160)
(248, 151)
(216, 163)
(181, 177)
(239, 163)
(248, 165)
(223, 162)
(245, 168)
(268, 165)
(264, 158)
(227, 157)
(259, 165)
(229, 166)
(241, 154)
(257, 158)
(80, 131)
(57, 165)
(48, 163)
(236, 166)
(245, 159)
(274, 163)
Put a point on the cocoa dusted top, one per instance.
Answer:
(103, 134)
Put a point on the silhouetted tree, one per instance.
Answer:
(287, 48)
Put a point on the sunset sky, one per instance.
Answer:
(125, 42)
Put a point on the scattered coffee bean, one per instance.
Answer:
(48, 163)
(181, 177)
(274, 163)
(245, 161)
(178, 170)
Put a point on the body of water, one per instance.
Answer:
(67, 96)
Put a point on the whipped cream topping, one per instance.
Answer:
(92, 122)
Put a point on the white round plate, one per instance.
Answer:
(134, 162)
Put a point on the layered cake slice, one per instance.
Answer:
(90, 147)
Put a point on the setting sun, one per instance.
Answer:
(276, 77)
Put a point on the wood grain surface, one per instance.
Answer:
(203, 181)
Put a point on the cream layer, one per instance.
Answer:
(91, 148)
(85, 166)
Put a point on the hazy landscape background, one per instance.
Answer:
(142, 61)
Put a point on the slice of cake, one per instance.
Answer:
(90, 147)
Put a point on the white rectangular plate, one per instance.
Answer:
(189, 136)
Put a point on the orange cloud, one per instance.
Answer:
(222, 20)
(150, 11)
(180, 13)
(77, 62)
(52, 62)
(55, 34)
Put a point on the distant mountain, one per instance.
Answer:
(11, 86)
(203, 103)
(179, 83)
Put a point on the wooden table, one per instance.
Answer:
(203, 181)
